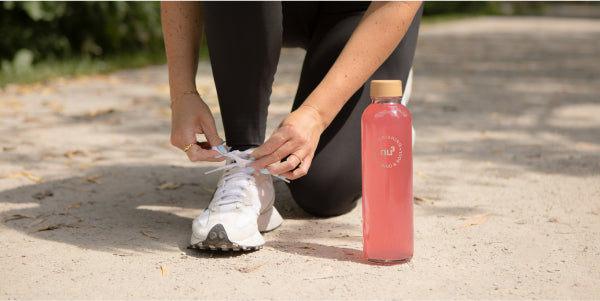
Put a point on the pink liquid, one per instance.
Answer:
(387, 183)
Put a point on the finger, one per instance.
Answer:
(290, 163)
(197, 153)
(271, 145)
(210, 132)
(301, 171)
(275, 157)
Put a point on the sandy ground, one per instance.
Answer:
(95, 204)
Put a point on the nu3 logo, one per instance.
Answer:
(387, 152)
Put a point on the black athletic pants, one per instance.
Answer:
(245, 40)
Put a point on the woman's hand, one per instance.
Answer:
(191, 116)
(296, 138)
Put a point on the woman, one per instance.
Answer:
(317, 146)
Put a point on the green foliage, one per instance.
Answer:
(35, 31)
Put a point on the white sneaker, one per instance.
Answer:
(241, 208)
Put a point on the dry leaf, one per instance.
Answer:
(421, 199)
(49, 228)
(478, 222)
(169, 186)
(209, 190)
(164, 271)
(476, 216)
(32, 120)
(71, 154)
(57, 226)
(24, 174)
(15, 216)
(93, 113)
(94, 179)
(307, 248)
(73, 205)
(249, 269)
(148, 235)
(42, 195)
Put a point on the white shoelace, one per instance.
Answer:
(237, 174)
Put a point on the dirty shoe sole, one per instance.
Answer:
(217, 239)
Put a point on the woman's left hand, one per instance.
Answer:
(296, 138)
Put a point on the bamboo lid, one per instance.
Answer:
(386, 88)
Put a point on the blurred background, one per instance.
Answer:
(40, 40)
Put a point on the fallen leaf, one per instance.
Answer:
(425, 200)
(94, 113)
(348, 236)
(94, 179)
(148, 235)
(249, 269)
(58, 226)
(164, 271)
(71, 154)
(307, 248)
(32, 120)
(24, 174)
(42, 195)
(169, 186)
(73, 205)
(209, 190)
(49, 228)
(478, 222)
(14, 217)
(476, 216)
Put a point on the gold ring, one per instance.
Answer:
(187, 147)
(297, 157)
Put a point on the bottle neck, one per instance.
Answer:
(386, 99)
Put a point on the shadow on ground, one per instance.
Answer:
(97, 212)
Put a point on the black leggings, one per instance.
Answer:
(245, 40)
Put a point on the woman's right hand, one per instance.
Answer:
(190, 116)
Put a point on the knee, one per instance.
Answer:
(325, 199)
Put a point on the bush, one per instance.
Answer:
(39, 30)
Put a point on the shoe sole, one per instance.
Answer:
(217, 239)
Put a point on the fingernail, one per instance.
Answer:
(264, 171)
(221, 149)
(249, 169)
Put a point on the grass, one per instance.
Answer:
(45, 70)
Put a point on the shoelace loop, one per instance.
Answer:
(237, 174)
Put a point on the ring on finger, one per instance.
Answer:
(187, 147)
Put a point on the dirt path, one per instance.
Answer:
(94, 202)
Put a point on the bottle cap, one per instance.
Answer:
(386, 88)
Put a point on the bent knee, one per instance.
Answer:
(325, 201)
